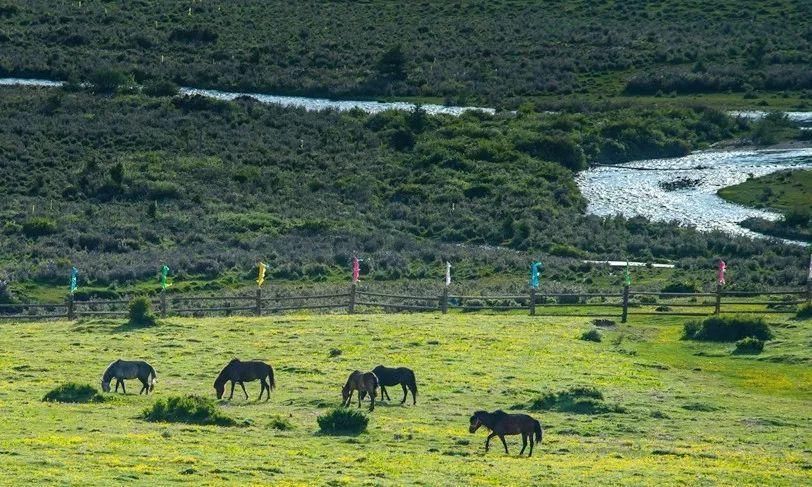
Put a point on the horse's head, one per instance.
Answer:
(219, 387)
(476, 422)
(105, 385)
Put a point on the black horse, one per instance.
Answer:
(392, 376)
(239, 372)
(501, 423)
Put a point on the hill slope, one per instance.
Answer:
(494, 52)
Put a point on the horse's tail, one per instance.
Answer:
(537, 430)
(153, 377)
(413, 383)
(271, 380)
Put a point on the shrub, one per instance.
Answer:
(727, 329)
(161, 88)
(592, 335)
(680, 287)
(343, 421)
(141, 312)
(280, 423)
(749, 345)
(188, 409)
(39, 226)
(804, 312)
(73, 393)
(578, 400)
(108, 80)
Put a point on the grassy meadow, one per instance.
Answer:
(694, 413)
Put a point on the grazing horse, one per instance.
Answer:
(363, 382)
(501, 423)
(239, 372)
(392, 376)
(129, 369)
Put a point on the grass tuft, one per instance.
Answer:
(578, 400)
(186, 409)
(727, 329)
(341, 421)
(592, 335)
(749, 346)
(73, 393)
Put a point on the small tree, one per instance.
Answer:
(141, 312)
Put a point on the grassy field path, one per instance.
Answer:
(694, 414)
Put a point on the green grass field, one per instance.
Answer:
(781, 191)
(695, 415)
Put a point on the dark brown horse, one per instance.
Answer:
(239, 372)
(392, 376)
(501, 423)
(363, 382)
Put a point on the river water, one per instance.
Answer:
(609, 189)
(632, 192)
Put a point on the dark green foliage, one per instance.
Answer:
(593, 335)
(107, 80)
(160, 88)
(73, 393)
(38, 226)
(343, 421)
(140, 312)
(680, 287)
(804, 312)
(280, 423)
(773, 128)
(186, 409)
(727, 329)
(497, 52)
(749, 346)
(577, 400)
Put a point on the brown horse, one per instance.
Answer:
(392, 376)
(501, 423)
(239, 372)
(363, 382)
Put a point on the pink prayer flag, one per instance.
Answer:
(720, 274)
(356, 269)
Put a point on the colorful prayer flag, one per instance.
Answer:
(448, 273)
(164, 273)
(720, 273)
(535, 271)
(809, 276)
(627, 276)
(74, 278)
(261, 274)
(356, 269)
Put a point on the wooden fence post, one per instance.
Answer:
(351, 308)
(718, 306)
(625, 315)
(809, 291)
(163, 303)
(258, 309)
(71, 310)
(444, 301)
(532, 301)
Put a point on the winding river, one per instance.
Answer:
(629, 189)
(646, 188)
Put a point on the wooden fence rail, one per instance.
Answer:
(606, 304)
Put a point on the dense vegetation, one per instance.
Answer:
(727, 329)
(494, 52)
(73, 393)
(788, 192)
(119, 185)
(189, 409)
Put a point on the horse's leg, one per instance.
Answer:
(413, 388)
(242, 384)
(143, 386)
(123, 387)
(405, 393)
(502, 437)
(383, 393)
(531, 444)
(488, 441)
(359, 398)
(232, 391)
(524, 443)
(118, 381)
(372, 398)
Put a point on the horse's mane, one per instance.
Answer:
(108, 372)
(499, 414)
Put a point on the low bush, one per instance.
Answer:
(804, 312)
(140, 312)
(749, 346)
(188, 409)
(592, 335)
(578, 400)
(340, 421)
(73, 393)
(727, 329)
(280, 423)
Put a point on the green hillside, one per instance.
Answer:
(495, 52)
(682, 412)
(117, 185)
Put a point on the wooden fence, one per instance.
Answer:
(622, 304)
